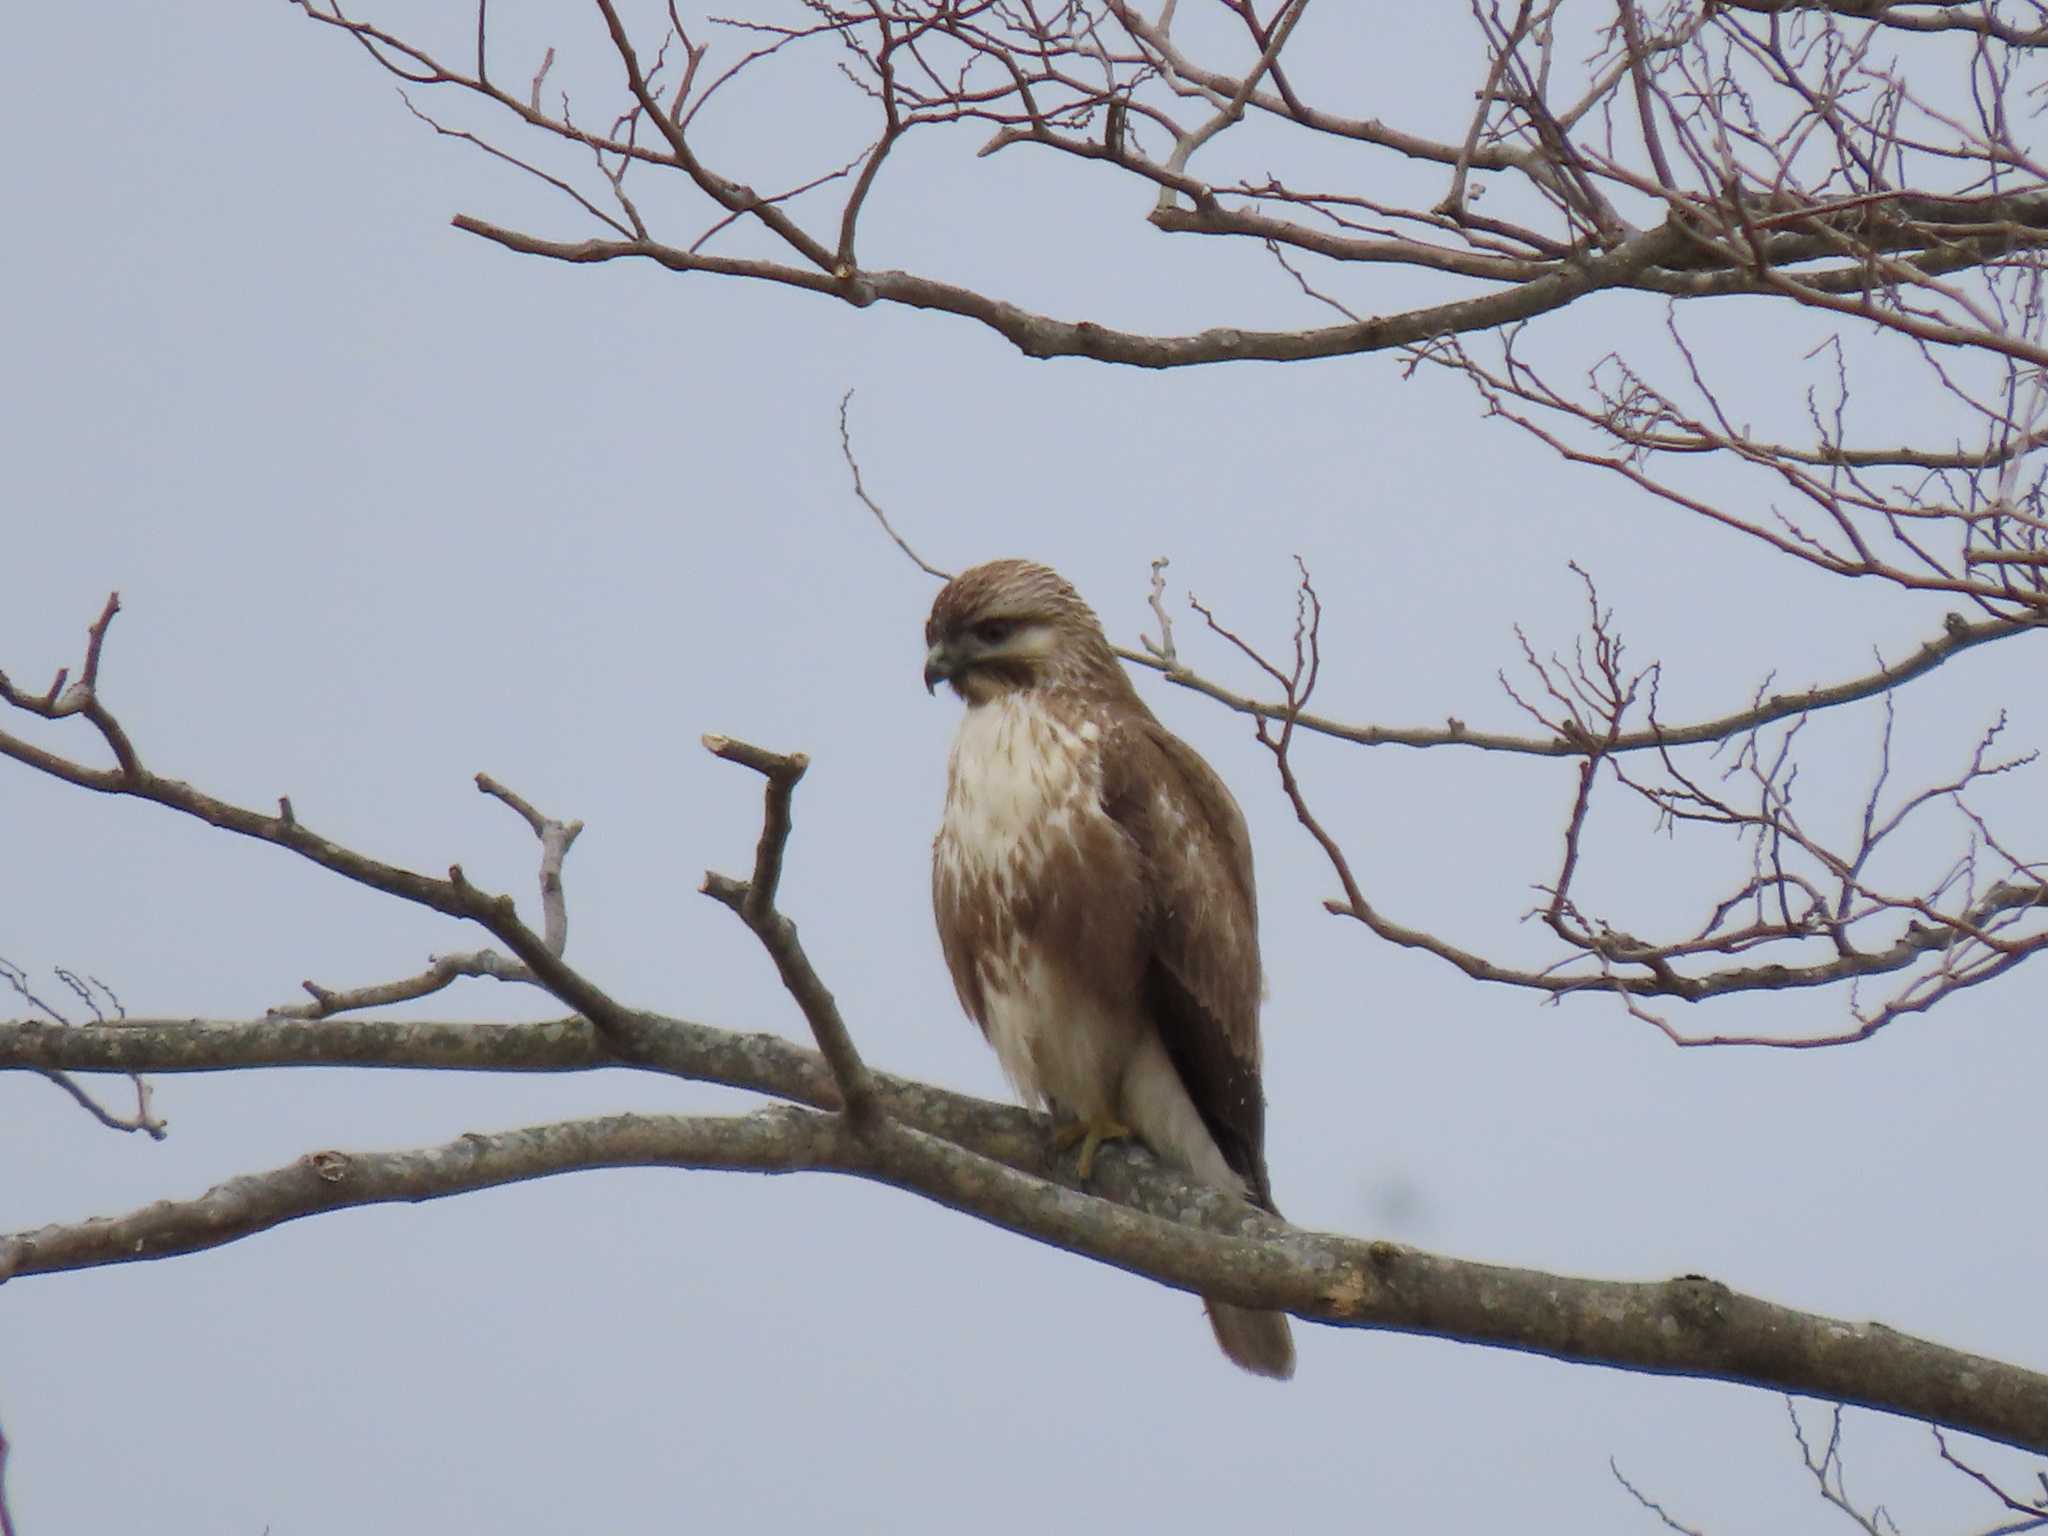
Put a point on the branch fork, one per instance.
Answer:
(754, 902)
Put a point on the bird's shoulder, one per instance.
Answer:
(1168, 798)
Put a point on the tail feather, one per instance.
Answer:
(1155, 1103)
(1260, 1342)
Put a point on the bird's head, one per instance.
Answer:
(1011, 625)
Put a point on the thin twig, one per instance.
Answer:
(454, 897)
(860, 490)
(1671, 1522)
(145, 1118)
(82, 696)
(6, 1510)
(442, 971)
(2036, 1512)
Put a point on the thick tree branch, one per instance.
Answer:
(757, 1063)
(1689, 1326)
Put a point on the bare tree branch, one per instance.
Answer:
(555, 840)
(1885, 194)
(1669, 1521)
(1690, 1325)
(2033, 1513)
(144, 1119)
(1958, 635)
(454, 897)
(6, 1510)
(1732, 137)
(861, 491)
(1826, 1466)
(1957, 937)
(442, 972)
(1044, 336)
(754, 903)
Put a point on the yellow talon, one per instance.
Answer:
(1091, 1134)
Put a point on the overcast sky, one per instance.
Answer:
(388, 506)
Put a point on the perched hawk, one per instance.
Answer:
(1093, 885)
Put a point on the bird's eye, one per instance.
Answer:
(993, 631)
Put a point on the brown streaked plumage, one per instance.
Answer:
(1092, 880)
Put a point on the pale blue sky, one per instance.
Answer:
(387, 506)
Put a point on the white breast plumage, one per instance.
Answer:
(1020, 779)
(1021, 786)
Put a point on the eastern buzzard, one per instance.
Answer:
(1093, 885)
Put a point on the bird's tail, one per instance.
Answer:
(1155, 1103)
(1260, 1342)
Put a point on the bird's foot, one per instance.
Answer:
(1090, 1135)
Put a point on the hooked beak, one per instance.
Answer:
(939, 665)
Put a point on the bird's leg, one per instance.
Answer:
(1090, 1134)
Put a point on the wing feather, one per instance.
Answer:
(1202, 985)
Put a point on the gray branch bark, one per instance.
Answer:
(993, 1162)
